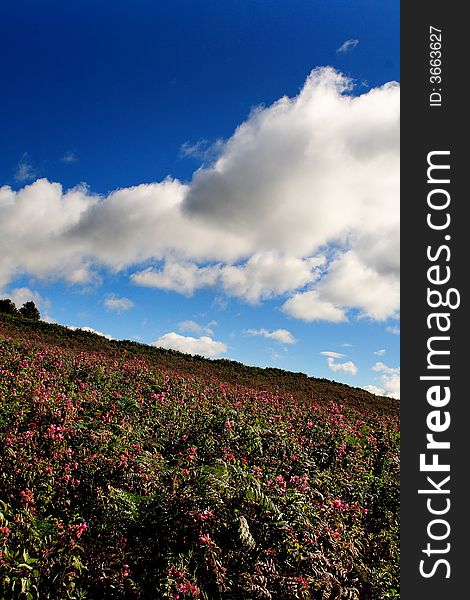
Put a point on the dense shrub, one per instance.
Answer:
(29, 311)
(121, 480)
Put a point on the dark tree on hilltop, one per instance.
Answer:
(8, 306)
(30, 311)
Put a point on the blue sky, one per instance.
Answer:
(271, 243)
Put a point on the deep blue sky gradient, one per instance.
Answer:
(122, 85)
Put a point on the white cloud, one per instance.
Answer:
(263, 275)
(393, 329)
(382, 368)
(308, 306)
(119, 305)
(69, 157)
(25, 170)
(181, 277)
(203, 345)
(389, 380)
(21, 295)
(373, 389)
(202, 149)
(91, 330)
(346, 367)
(380, 352)
(347, 46)
(24, 294)
(196, 327)
(279, 335)
(333, 354)
(302, 201)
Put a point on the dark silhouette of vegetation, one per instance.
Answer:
(30, 311)
(8, 307)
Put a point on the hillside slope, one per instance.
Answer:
(132, 472)
(225, 370)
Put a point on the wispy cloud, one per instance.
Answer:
(392, 329)
(25, 170)
(333, 354)
(202, 149)
(279, 335)
(117, 304)
(196, 327)
(347, 46)
(69, 157)
(380, 352)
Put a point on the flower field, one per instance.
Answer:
(127, 474)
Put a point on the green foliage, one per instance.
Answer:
(30, 311)
(129, 472)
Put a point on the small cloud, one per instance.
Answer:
(346, 367)
(380, 367)
(119, 305)
(347, 46)
(69, 157)
(90, 330)
(196, 327)
(346, 345)
(25, 170)
(274, 354)
(220, 303)
(389, 381)
(393, 329)
(333, 354)
(202, 149)
(279, 335)
(380, 352)
(203, 345)
(373, 389)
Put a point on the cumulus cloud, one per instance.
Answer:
(389, 381)
(182, 277)
(203, 345)
(382, 368)
(347, 46)
(346, 367)
(309, 306)
(196, 327)
(263, 275)
(301, 202)
(117, 304)
(279, 335)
